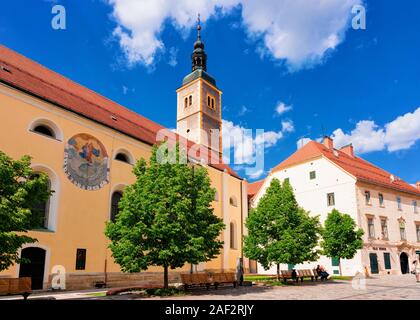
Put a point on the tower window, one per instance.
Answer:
(186, 102)
(210, 102)
(190, 100)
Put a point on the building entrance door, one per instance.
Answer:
(34, 266)
(374, 268)
(405, 268)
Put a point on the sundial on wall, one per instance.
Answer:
(86, 162)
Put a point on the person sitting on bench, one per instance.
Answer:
(322, 272)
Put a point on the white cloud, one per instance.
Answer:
(282, 108)
(399, 134)
(244, 110)
(403, 132)
(366, 137)
(302, 142)
(287, 126)
(299, 32)
(256, 174)
(173, 52)
(244, 142)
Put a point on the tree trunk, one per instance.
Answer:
(278, 272)
(165, 277)
(339, 266)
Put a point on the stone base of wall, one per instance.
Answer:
(80, 281)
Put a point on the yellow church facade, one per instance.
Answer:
(62, 126)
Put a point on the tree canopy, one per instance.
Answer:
(341, 237)
(279, 231)
(166, 217)
(21, 193)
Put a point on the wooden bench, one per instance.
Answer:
(223, 278)
(316, 275)
(306, 273)
(14, 286)
(207, 280)
(195, 280)
(287, 274)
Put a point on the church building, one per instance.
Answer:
(87, 145)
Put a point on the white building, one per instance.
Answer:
(384, 206)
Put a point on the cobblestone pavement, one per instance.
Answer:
(378, 288)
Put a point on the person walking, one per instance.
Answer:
(416, 270)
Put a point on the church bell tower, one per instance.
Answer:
(199, 116)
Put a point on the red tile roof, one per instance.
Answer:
(35, 79)
(254, 187)
(361, 169)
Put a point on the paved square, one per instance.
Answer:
(378, 288)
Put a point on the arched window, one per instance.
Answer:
(40, 211)
(186, 102)
(116, 197)
(233, 201)
(208, 101)
(233, 235)
(44, 130)
(212, 103)
(190, 100)
(124, 156)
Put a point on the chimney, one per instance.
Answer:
(328, 143)
(348, 149)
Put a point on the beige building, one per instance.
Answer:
(87, 145)
(385, 207)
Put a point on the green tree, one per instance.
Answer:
(166, 218)
(279, 231)
(341, 237)
(21, 192)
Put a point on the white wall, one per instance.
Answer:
(312, 196)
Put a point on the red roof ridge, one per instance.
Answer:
(77, 85)
(77, 98)
(356, 166)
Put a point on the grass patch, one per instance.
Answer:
(347, 278)
(97, 294)
(258, 278)
(165, 292)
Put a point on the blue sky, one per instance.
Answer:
(361, 86)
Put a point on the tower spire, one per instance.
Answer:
(198, 27)
(199, 56)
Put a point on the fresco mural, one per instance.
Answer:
(86, 162)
